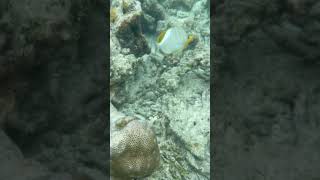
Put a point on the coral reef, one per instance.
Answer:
(113, 15)
(128, 27)
(133, 147)
(169, 92)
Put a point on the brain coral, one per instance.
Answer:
(134, 148)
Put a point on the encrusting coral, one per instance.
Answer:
(134, 148)
(113, 15)
(128, 28)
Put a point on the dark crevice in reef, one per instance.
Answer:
(53, 89)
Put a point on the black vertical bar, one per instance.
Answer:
(108, 57)
(212, 90)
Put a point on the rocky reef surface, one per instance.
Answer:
(171, 93)
(266, 89)
(53, 90)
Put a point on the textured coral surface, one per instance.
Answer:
(134, 148)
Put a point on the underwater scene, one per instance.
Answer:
(160, 89)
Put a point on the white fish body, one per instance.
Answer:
(173, 41)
